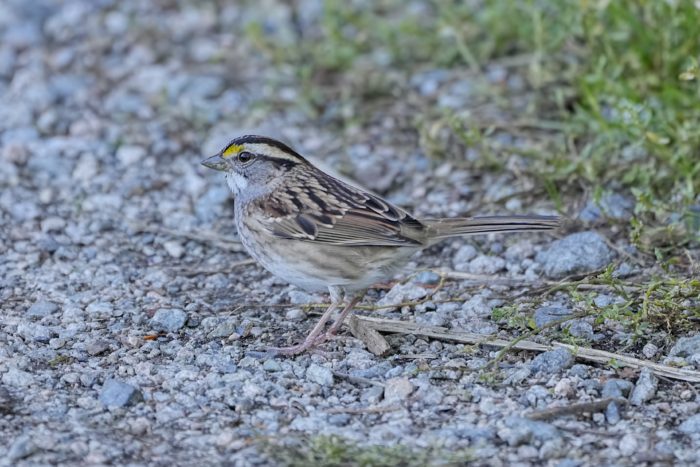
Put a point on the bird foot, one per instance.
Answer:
(302, 347)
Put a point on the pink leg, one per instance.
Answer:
(311, 339)
(343, 314)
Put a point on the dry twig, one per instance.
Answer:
(581, 353)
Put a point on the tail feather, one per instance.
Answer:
(455, 227)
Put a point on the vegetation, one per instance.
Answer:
(615, 99)
(333, 451)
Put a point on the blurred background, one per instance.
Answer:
(590, 106)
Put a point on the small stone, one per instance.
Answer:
(579, 370)
(686, 346)
(517, 376)
(428, 278)
(41, 309)
(549, 314)
(397, 389)
(582, 330)
(168, 319)
(53, 224)
(100, 309)
(401, 293)
(119, 394)
(691, 426)
(174, 248)
(645, 388)
(34, 332)
(225, 328)
(18, 378)
(56, 342)
(582, 252)
(521, 430)
(294, 314)
(97, 347)
(628, 445)
(461, 259)
(299, 297)
(552, 361)
(564, 388)
(486, 265)
(272, 365)
(623, 270)
(319, 374)
(650, 350)
(611, 205)
(373, 395)
(128, 154)
(616, 388)
(22, 448)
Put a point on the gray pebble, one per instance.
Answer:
(119, 394)
(100, 309)
(686, 346)
(521, 430)
(650, 350)
(174, 248)
(18, 378)
(129, 154)
(21, 448)
(397, 389)
(577, 253)
(582, 330)
(41, 309)
(517, 376)
(552, 361)
(226, 328)
(691, 426)
(461, 259)
(428, 278)
(401, 293)
(617, 388)
(579, 370)
(168, 319)
(548, 314)
(34, 332)
(272, 365)
(611, 205)
(645, 388)
(319, 374)
(487, 265)
(373, 395)
(96, 347)
(299, 297)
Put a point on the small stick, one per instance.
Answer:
(580, 353)
(373, 340)
(575, 409)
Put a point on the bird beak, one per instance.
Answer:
(215, 162)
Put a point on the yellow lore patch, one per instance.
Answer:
(232, 150)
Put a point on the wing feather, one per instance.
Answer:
(330, 211)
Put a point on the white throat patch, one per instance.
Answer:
(236, 182)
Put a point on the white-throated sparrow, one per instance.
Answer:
(319, 233)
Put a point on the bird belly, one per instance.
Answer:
(317, 266)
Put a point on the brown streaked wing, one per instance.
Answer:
(333, 212)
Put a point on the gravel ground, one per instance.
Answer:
(131, 316)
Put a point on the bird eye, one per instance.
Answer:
(245, 156)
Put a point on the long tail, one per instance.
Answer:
(455, 227)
